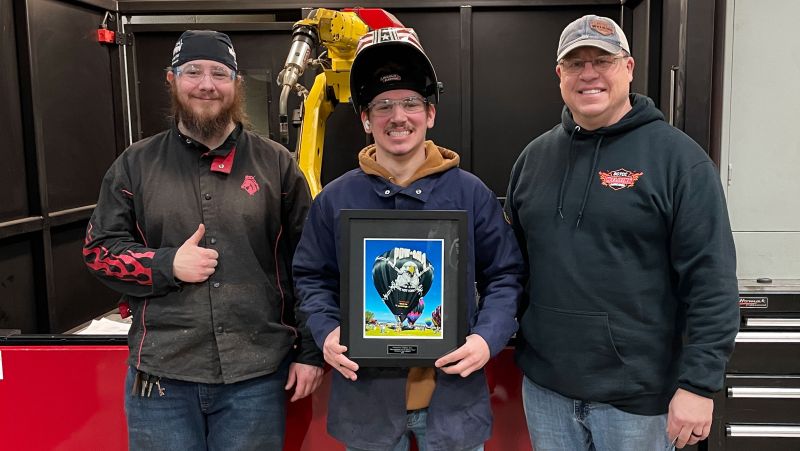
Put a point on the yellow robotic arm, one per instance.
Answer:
(338, 32)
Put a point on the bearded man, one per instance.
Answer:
(197, 227)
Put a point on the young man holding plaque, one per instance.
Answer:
(394, 87)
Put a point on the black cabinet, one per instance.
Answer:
(759, 408)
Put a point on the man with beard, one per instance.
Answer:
(197, 227)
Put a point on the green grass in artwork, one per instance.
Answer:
(391, 332)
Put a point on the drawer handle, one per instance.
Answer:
(763, 392)
(748, 430)
(772, 322)
(768, 337)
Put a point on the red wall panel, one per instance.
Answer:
(71, 398)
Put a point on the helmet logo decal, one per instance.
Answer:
(390, 77)
(619, 178)
(389, 35)
(250, 185)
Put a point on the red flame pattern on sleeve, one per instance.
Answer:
(128, 266)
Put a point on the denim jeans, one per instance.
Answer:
(246, 415)
(557, 423)
(415, 424)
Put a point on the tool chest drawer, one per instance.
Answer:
(759, 408)
(740, 442)
(768, 341)
(767, 353)
(762, 399)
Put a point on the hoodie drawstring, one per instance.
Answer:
(566, 173)
(589, 182)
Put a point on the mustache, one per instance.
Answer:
(393, 127)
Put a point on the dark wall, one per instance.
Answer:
(73, 100)
(59, 127)
(516, 94)
(13, 183)
(67, 104)
(18, 307)
(497, 65)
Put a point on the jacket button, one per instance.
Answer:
(207, 196)
(418, 191)
(387, 192)
(213, 240)
(216, 284)
(219, 329)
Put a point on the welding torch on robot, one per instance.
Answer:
(338, 32)
(304, 38)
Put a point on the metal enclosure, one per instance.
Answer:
(500, 88)
(73, 104)
(60, 128)
(761, 147)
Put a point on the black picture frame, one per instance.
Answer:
(390, 257)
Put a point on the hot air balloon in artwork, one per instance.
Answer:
(414, 315)
(436, 316)
(402, 277)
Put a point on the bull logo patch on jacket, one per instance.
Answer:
(250, 185)
(619, 178)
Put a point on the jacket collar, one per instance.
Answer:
(222, 156)
(419, 186)
(437, 159)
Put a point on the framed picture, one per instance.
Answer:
(403, 277)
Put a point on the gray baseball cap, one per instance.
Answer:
(592, 31)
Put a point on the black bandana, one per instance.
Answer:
(204, 45)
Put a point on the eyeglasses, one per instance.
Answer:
(385, 107)
(195, 74)
(601, 64)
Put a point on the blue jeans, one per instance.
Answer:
(247, 415)
(416, 421)
(557, 423)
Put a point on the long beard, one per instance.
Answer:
(204, 125)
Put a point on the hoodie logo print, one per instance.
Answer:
(619, 178)
(250, 185)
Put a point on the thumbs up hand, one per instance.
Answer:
(194, 263)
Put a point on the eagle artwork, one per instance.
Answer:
(402, 278)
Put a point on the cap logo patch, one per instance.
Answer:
(602, 27)
(250, 185)
(619, 178)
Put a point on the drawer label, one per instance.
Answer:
(753, 302)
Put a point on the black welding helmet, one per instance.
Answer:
(387, 59)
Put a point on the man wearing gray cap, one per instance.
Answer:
(197, 227)
(631, 306)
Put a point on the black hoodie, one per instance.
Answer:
(629, 244)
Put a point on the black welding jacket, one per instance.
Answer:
(253, 200)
